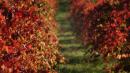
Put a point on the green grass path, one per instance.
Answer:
(71, 47)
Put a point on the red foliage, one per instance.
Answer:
(28, 43)
(104, 23)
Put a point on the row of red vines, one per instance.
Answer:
(105, 24)
(28, 43)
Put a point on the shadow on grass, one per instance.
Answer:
(64, 5)
(71, 48)
(80, 68)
